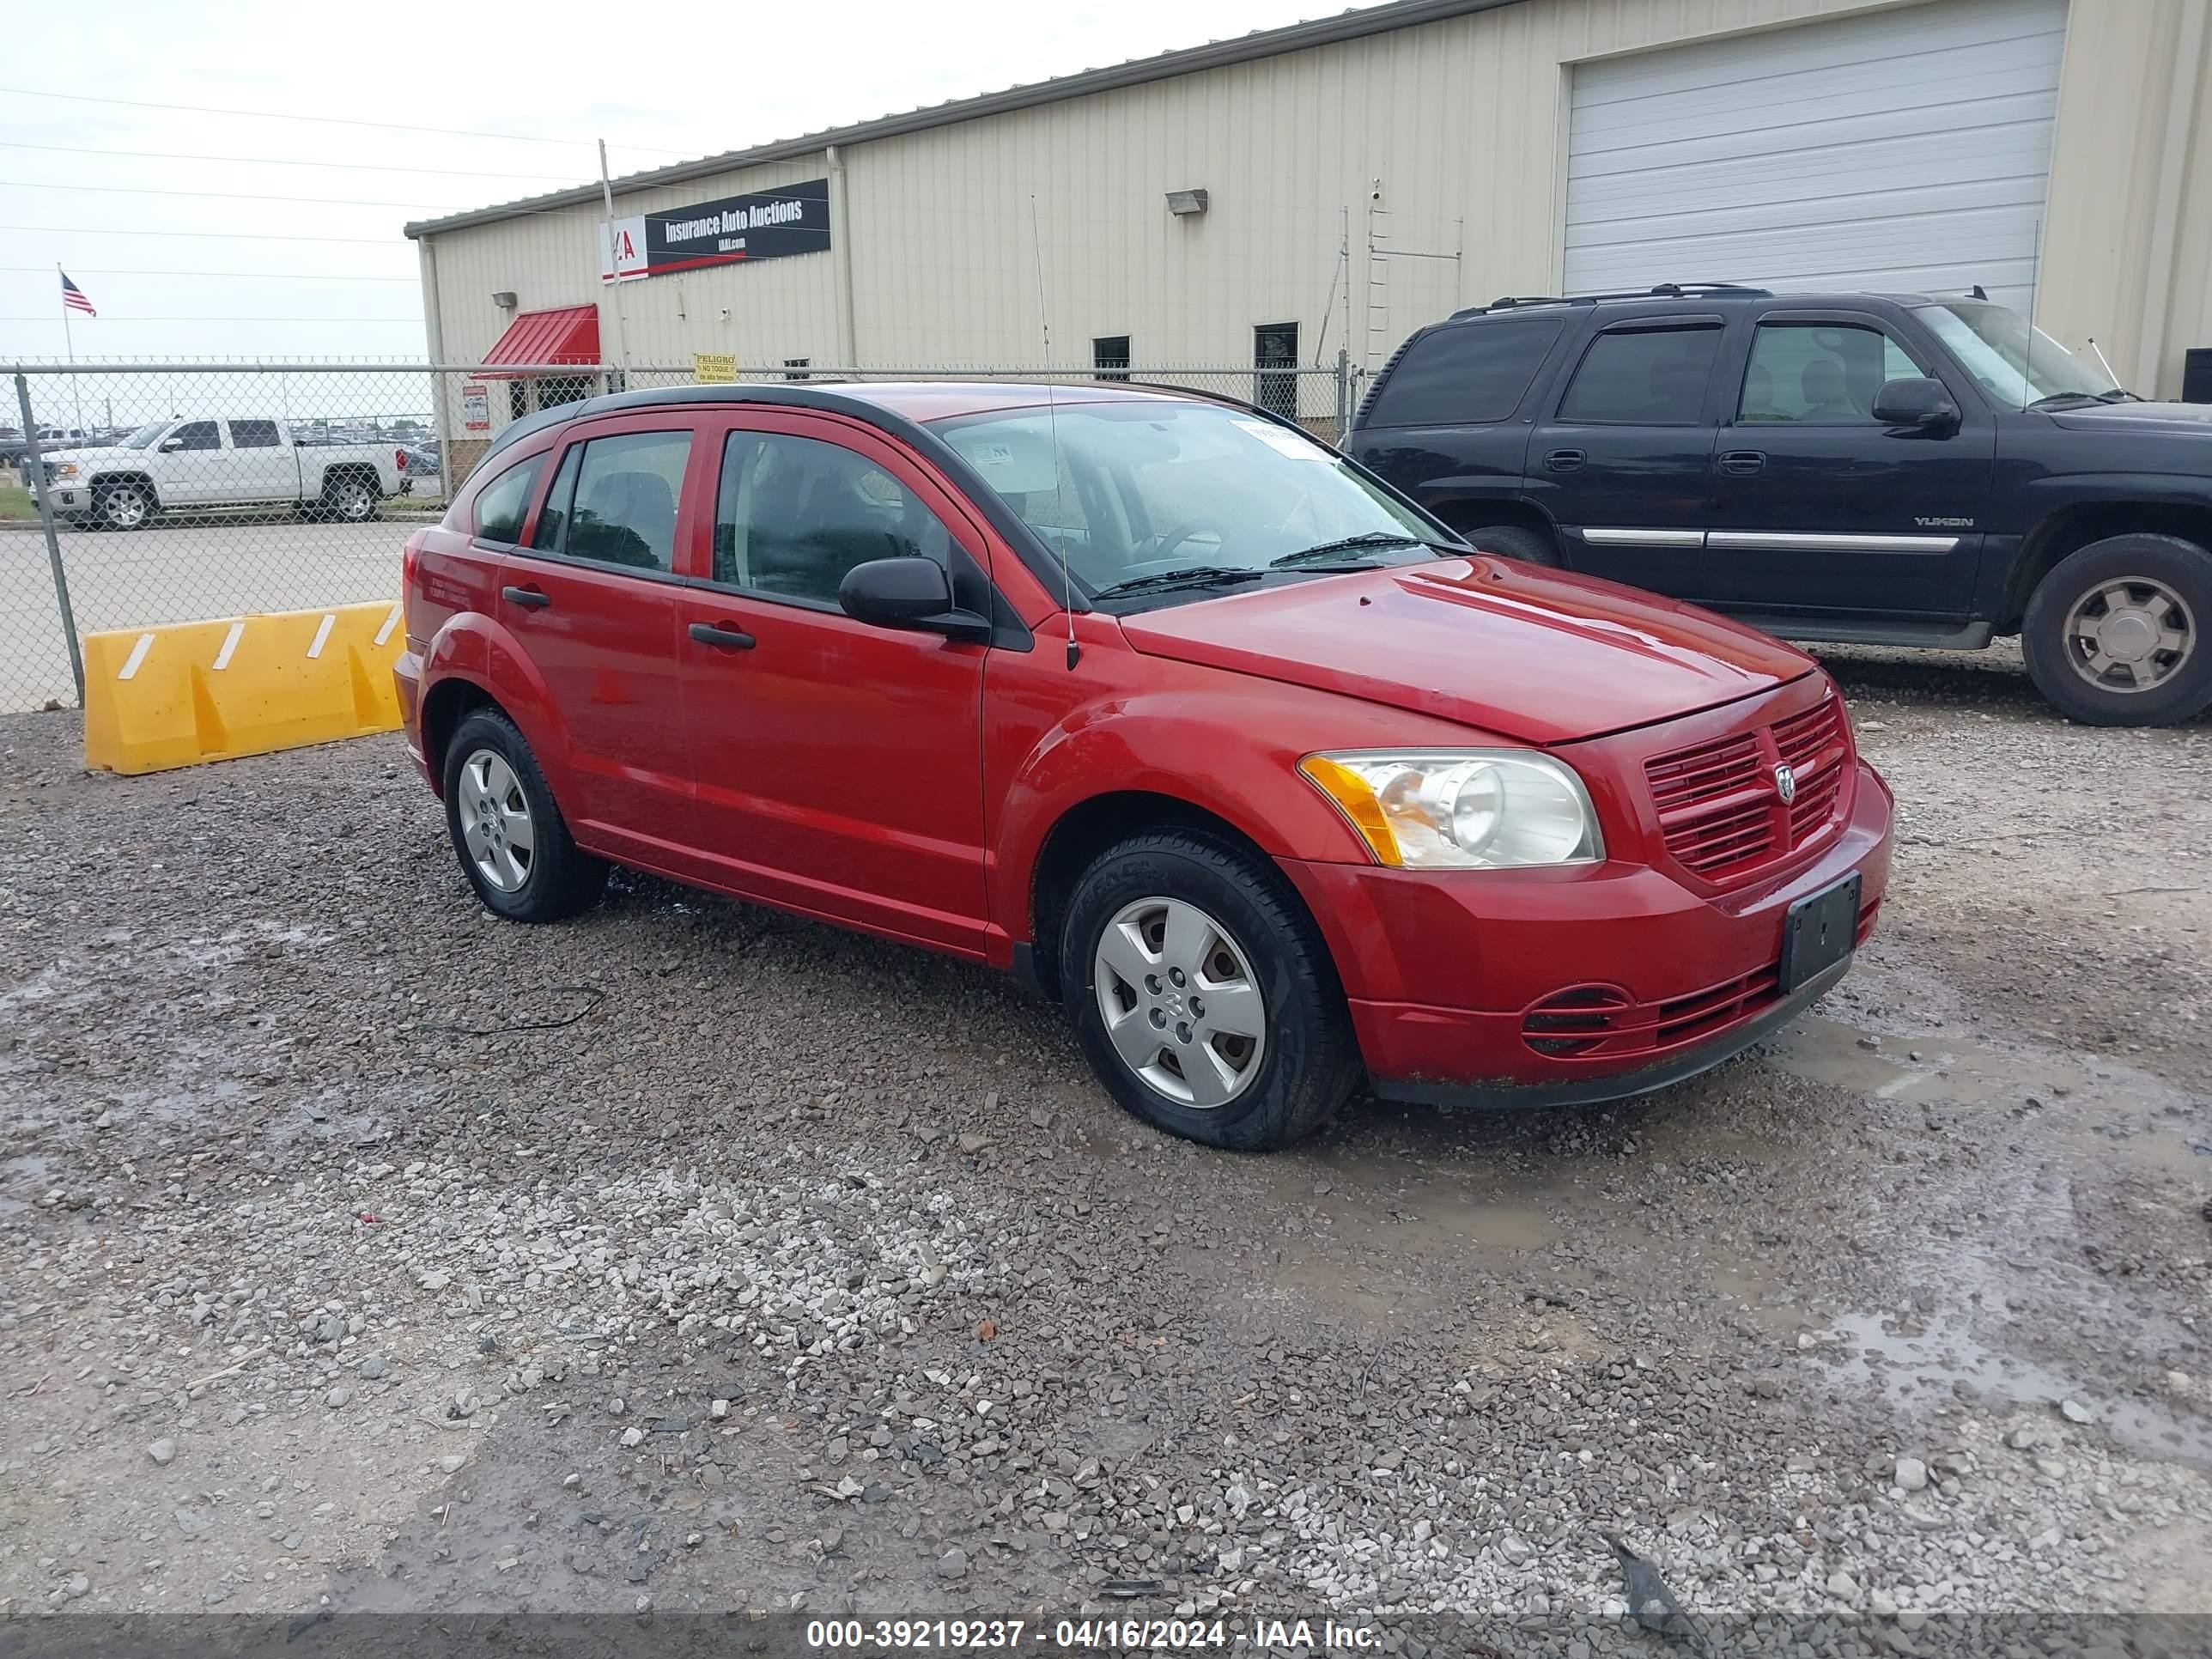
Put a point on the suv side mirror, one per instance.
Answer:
(908, 592)
(1915, 402)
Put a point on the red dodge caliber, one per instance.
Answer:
(1278, 788)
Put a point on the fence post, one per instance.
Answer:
(36, 465)
(1343, 393)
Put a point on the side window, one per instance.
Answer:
(1819, 373)
(625, 507)
(500, 504)
(553, 517)
(198, 434)
(254, 434)
(795, 514)
(1465, 372)
(1644, 377)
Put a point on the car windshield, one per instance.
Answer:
(143, 436)
(2015, 364)
(1155, 494)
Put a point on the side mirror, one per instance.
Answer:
(171, 446)
(910, 593)
(1916, 403)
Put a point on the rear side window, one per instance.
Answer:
(1644, 377)
(614, 501)
(501, 503)
(254, 434)
(1466, 372)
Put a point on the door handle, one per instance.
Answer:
(530, 599)
(732, 639)
(1742, 462)
(1565, 460)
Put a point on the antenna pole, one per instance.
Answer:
(1037, 259)
(1066, 576)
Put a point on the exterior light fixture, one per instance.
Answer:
(1184, 201)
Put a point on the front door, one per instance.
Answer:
(591, 597)
(1818, 504)
(189, 464)
(1619, 463)
(838, 765)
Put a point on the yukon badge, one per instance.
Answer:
(1785, 784)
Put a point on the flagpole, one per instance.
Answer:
(69, 345)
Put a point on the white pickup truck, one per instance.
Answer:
(191, 463)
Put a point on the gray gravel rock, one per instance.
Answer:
(163, 1452)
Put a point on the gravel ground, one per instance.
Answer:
(359, 1251)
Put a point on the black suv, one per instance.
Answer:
(1895, 469)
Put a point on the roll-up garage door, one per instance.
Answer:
(1907, 149)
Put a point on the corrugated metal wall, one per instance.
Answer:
(953, 232)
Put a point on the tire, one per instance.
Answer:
(348, 499)
(1249, 942)
(2143, 604)
(123, 506)
(489, 771)
(1514, 541)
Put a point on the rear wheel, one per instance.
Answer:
(350, 499)
(512, 841)
(123, 506)
(1201, 996)
(2115, 634)
(1514, 541)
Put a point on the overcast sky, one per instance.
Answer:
(290, 243)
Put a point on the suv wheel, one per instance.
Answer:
(123, 506)
(1514, 541)
(511, 840)
(2116, 635)
(1202, 998)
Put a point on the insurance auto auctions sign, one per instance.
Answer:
(767, 225)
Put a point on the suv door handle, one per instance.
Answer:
(1565, 460)
(1743, 462)
(734, 639)
(530, 599)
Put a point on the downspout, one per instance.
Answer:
(2166, 221)
(841, 251)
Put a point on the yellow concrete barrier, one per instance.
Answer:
(186, 692)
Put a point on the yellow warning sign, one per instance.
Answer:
(714, 367)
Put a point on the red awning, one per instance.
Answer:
(568, 334)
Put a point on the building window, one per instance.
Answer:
(557, 389)
(518, 400)
(1274, 368)
(1109, 357)
(794, 368)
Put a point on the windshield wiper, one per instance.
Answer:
(1194, 575)
(2118, 394)
(2064, 401)
(1370, 538)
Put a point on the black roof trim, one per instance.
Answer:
(1214, 54)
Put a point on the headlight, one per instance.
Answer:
(1464, 808)
(65, 469)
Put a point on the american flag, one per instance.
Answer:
(73, 297)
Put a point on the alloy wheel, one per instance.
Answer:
(1183, 1006)
(2129, 635)
(495, 824)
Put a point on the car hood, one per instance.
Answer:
(1538, 656)
(2192, 419)
(81, 455)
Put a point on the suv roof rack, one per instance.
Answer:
(1660, 291)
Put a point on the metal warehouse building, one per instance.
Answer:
(1328, 187)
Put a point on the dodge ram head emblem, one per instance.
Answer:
(1785, 784)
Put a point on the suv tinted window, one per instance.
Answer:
(625, 510)
(1465, 372)
(501, 503)
(795, 514)
(254, 434)
(1644, 377)
(1819, 373)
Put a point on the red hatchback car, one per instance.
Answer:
(1155, 700)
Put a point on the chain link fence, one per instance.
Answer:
(136, 494)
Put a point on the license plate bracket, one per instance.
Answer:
(1820, 931)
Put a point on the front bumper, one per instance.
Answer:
(1447, 973)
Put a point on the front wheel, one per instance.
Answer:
(512, 841)
(2115, 634)
(1202, 997)
(123, 506)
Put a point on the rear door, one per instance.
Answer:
(260, 466)
(1620, 459)
(591, 598)
(839, 764)
(1817, 505)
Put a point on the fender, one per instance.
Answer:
(472, 646)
